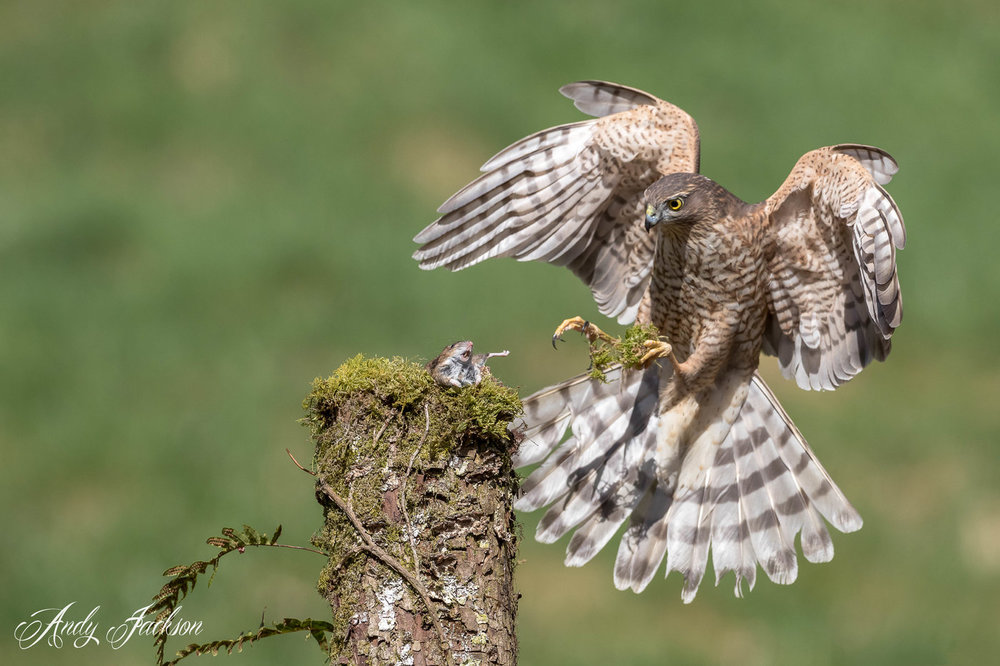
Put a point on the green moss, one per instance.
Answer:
(374, 408)
(395, 382)
(391, 388)
(627, 350)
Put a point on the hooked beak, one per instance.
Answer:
(652, 217)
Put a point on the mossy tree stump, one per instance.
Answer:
(417, 488)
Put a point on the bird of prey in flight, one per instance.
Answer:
(692, 449)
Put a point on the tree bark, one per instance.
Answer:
(417, 489)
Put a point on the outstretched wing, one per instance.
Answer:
(572, 195)
(834, 293)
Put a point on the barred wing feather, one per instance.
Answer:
(572, 196)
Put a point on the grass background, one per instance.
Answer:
(205, 205)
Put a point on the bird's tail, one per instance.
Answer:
(726, 471)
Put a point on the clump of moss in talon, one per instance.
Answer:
(626, 351)
(602, 356)
(631, 345)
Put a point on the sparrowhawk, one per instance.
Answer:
(693, 450)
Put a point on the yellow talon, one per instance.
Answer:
(580, 324)
(657, 349)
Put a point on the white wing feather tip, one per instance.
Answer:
(602, 98)
(879, 163)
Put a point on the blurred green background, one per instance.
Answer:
(203, 206)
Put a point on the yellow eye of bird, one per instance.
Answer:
(675, 204)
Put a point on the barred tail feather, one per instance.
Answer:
(611, 459)
(730, 534)
(816, 484)
(547, 415)
(577, 462)
(765, 487)
(645, 541)
(598, 529)
(701, 480)
(737, 480)
(590, 466)
(756, 474)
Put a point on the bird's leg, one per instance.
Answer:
(659, 349)
(579, 324)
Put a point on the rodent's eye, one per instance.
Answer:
(675, 204)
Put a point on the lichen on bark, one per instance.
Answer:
(426, 471)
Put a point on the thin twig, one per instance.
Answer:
(285, 545)
(381, 430)
(281, 545)
(402, 492)
(377, 551)
(310, 473)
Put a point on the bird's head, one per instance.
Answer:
(679, 197)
